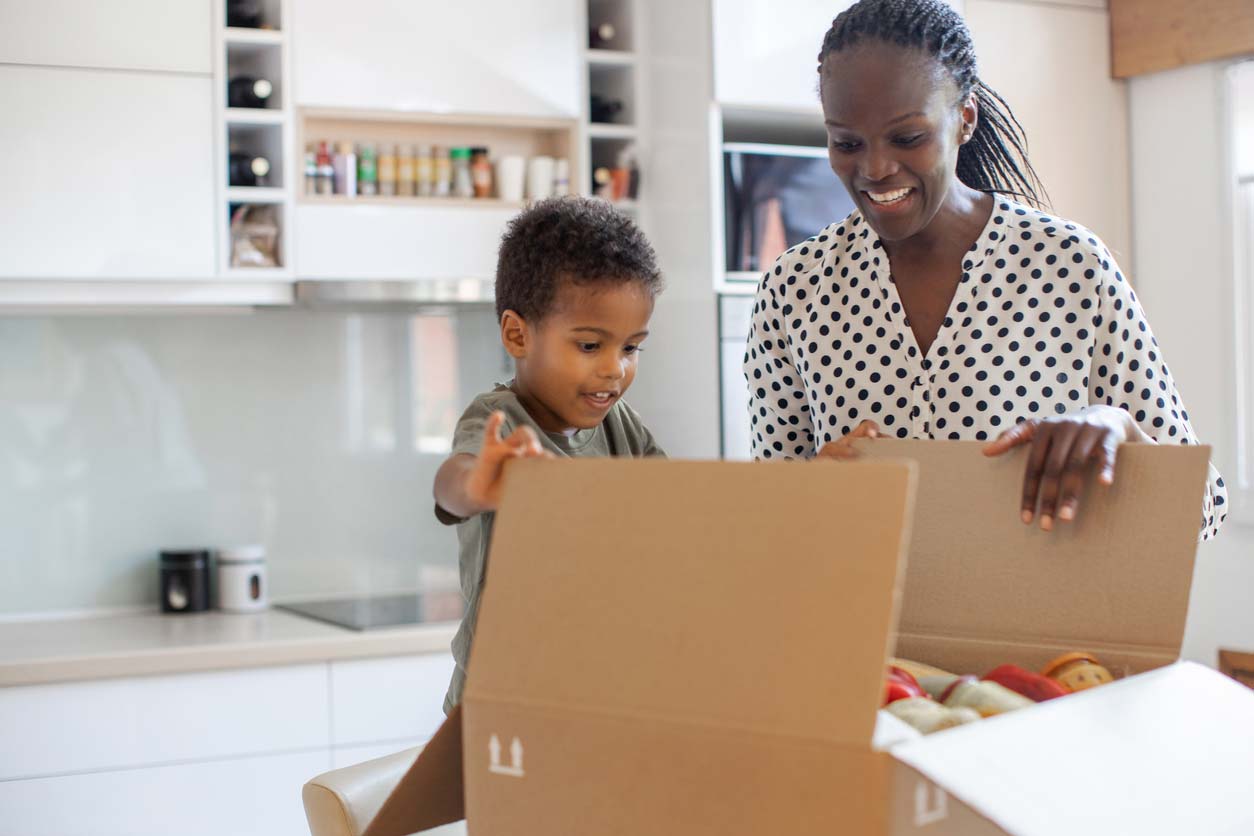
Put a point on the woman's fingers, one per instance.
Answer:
(1062, 439)
(1087, 444)
(866, 429)
(838, 449)
(1034, 469)
(1020, 433)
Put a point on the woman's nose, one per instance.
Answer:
(878, 164)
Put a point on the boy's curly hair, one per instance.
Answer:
(569, 239)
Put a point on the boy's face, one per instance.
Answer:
(580, 359)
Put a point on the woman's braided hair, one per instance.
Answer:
(995, 158)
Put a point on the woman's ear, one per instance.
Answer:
(970, 118)
(515, 334)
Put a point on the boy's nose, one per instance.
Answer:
(613, 370)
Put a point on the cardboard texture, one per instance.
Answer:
(698, 648)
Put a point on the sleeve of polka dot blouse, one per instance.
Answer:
(779, 415)
(1129, 372)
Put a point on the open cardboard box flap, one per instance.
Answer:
(982, 588)
(699, 647)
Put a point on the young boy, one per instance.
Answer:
(575, 284)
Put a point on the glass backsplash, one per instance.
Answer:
(316, 434)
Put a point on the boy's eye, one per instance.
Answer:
(632, 349)
(589, 347)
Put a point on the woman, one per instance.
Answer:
(942, 307)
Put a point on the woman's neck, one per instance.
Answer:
(956, 226)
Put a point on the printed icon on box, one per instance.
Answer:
(929, 807)
(515, 768)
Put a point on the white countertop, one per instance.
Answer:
(33, 652)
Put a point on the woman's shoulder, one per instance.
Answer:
(1044, 225)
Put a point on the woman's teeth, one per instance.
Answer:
(884, 198)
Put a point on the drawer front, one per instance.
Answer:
(107, 724)
(246, 797)
(397, 698)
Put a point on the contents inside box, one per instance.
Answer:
(930, 699)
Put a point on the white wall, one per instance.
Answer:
(676, 391)
(1182, 251)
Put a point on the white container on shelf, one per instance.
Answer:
(242, 584)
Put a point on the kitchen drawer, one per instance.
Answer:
(107, 724)
(245, 797)
(397, 698)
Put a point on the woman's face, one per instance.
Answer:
(894, 126)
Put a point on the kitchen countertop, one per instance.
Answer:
(62, 650)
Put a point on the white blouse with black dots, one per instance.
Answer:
(1042, 324)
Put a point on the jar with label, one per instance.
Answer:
(443, 172)
(481, 172)
(387, 170)
(326, 171)
(367, 171)
(463, 183)
(311, 169)
(405, 186)
(242, 583)
(424, 171)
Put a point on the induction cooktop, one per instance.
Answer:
(373, 612)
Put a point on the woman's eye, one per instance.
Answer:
(845, 146)
(911, 139)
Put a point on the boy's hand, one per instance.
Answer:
(484, 481)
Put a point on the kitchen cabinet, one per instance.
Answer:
(1075, 115)
(134, 721)
(156, 35)
(208, 752)
(243, 797)
(388, 698)
(357, 240)
(108, 174)
(517, 57)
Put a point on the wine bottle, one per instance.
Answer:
(246, 91)
(248, 169)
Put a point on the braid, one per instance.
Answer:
(996, 157)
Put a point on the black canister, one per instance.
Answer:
(185, 580)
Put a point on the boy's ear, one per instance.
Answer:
(515, 334)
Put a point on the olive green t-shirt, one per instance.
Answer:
(621, 434)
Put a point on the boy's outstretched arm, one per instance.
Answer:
(466, 485)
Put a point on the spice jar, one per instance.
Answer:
(481, 172)
(463, 183)
(443, 167)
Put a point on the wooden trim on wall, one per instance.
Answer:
(1238, 665)
(1151, 35)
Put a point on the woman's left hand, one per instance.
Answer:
(1062, 449)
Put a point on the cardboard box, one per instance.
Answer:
(699, 648)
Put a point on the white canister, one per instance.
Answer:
(539, 178)
(242, 585)
(511, 173)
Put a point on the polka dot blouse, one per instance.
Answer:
(1042, 324)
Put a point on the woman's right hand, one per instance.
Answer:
(842, 448)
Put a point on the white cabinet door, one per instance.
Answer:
(494, 56)
(135, 721)
(245, 797)
(360, 241)
(399, 699)
(106, 174)
(1075, 115)
(766, 51)
(171, 35)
